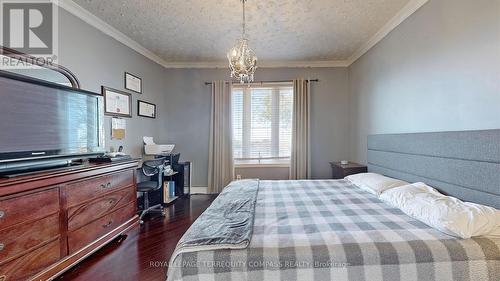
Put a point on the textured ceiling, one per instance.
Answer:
(279, 30)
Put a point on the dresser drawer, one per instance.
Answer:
(82, 214)
(85, 235)
(30, 264)
(28, 207)
(81, 191)
(19, 238)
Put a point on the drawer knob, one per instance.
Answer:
(107, 225)
(2, 246)
(107, 185)
(2, 214)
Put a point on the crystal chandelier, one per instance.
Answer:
(242, 59)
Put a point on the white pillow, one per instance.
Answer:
(496, 232)
(374, 183)
(445, 213)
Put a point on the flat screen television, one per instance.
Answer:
(46, 121)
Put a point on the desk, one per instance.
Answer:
(168, 177)
(181, 175)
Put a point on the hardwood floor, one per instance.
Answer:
(145, 252)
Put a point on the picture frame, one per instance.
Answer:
(116, 102)
(146, 109)
(133, 83)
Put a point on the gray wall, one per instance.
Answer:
(263, 173)
(183, 99)
(188, 112)
(97, 59)
(438, 71)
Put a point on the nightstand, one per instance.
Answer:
(340, 171)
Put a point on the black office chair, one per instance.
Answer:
(151, 168)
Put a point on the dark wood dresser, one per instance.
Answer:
(340, 171)
(50, 221)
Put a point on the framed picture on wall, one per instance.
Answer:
(146, 109)
(133, 83)
(117, 103)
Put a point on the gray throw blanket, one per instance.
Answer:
(226, 224)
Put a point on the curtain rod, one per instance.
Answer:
(261, 82)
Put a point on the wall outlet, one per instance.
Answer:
(238, 177)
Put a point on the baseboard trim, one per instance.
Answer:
(199, 190)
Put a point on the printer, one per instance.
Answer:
(151, 148)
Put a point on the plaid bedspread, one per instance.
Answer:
(331, 230)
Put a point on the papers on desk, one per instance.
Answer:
(148, 140)
(151, 148)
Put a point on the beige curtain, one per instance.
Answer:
(220, 165)
(300, 167)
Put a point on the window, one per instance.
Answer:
(262, 123)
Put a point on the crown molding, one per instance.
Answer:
(265, 64)
(198, 64)
(107, 29)
(304, 64)
(400, 17)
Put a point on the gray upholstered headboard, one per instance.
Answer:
(464, 164)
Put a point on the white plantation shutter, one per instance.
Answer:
(262, 123)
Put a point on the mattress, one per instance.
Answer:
(332, 230)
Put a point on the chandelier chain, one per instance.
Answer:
(242, 59)
(244, 19)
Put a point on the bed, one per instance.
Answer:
(332, 230)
